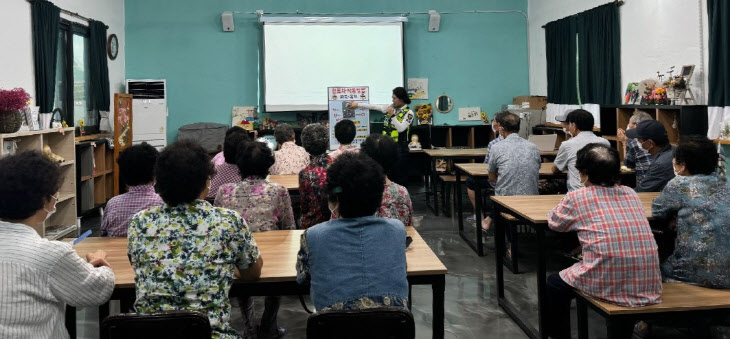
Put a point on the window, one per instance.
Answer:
(72, 77)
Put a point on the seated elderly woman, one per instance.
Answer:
(698, 197)
(186, 252)
(39, 277)
(290, 158)
(616, 239)
(337, 255)
(396, 201)
(312, 179)
(265, 206)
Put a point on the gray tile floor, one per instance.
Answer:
(471, 296)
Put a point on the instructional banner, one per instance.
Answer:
(338, 98)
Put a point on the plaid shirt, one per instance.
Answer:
(121, 208)
(225, 173)
(637, 158)
(620, 260)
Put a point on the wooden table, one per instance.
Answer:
(546, 172)
(290, 181)
(533, 210)
(278, 275)
(448, 154)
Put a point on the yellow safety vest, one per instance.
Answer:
(390, 130)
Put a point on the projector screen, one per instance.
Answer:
(302, 59)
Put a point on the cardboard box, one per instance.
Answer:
(536, 101)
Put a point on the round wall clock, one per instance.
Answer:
(112, 46)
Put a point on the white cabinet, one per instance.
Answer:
(149, 106)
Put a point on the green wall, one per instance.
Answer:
(477, 59)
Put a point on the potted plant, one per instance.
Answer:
(11, 103)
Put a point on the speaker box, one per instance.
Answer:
(227, 18)
(434, 21)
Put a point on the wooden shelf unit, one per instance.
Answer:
(95, 173)
(63, 222)
(677, 120)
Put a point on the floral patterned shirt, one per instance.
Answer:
(290, 159)
(342, 150)
(312, 181)
(396, 204)
(700, 203)
(184, 258)
(264, 205)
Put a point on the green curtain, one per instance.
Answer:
(98, 67)
(719, 75)
(560, 51)
(46, 18)
(599, 55)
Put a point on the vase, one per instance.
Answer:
(10, 121)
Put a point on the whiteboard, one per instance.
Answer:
(301, 60)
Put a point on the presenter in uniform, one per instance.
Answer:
(396, 124)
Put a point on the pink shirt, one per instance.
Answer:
(290, 159)
(342, 150)
(620, 259)
(225, 173)
(120, 209)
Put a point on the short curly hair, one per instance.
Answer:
(27, 181)
(355, 182)
(231, 142)
(697, 153)
(254, 159)
(382, 149)
(315, 139)
(345, 131)
(137, 164)
(182, 172)
(283, 133)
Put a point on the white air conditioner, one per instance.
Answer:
(149, 109)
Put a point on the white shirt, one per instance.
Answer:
(568, 154)
(38, 278)
(401, 126)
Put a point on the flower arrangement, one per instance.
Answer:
(424, 113)
(655, 96)
(15, 99)
(676, 83)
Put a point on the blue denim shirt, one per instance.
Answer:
(354, 263)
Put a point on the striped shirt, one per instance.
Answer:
(620, 260)
(38, 278)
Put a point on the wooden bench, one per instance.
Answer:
(678, 300)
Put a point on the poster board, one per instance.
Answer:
(122, 130)
(337, 99)
(243, 116)
(470, 113)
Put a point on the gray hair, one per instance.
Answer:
(639, 116)
(315, 139)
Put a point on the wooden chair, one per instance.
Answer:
(679, 301)
(384, 323)
(173, 324)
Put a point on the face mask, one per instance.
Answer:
(50, 213)
(583, 182)
(494, 130)
(565, 130)
(333, 209)
(644, 148)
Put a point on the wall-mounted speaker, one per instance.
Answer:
(227, 18)
(434, 21)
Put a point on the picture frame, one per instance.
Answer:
(687, 71)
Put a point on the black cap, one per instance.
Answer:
(649, 130)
